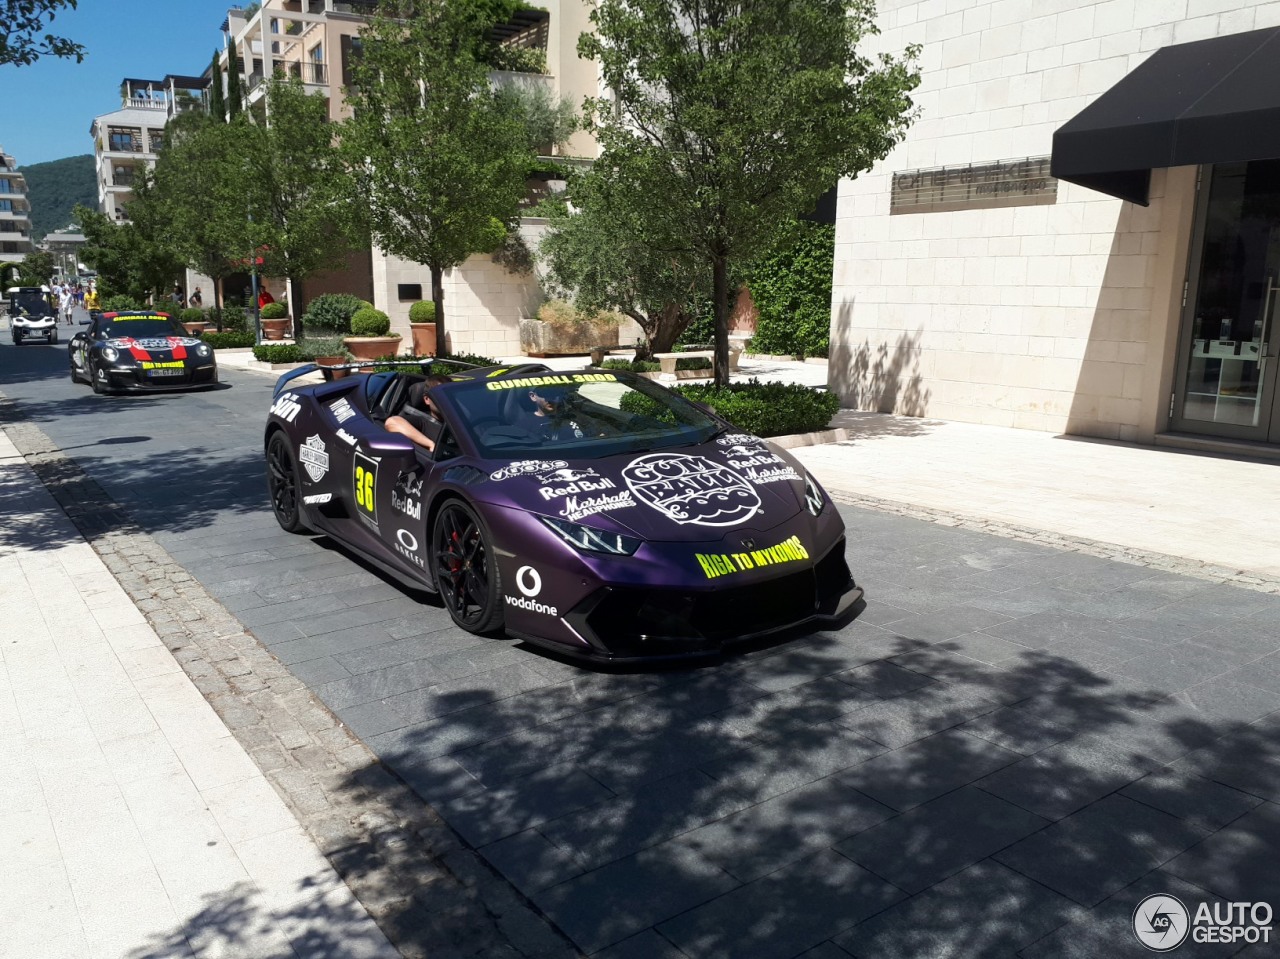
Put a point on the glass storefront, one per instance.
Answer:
(1226, 383)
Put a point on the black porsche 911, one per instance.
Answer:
(594, 512)
(140, 350)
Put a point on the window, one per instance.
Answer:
(409, 291)
(125, 140)
(6, 206)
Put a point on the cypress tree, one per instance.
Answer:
(217, 100)
(235, 100)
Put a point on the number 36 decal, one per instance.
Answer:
(365, 483)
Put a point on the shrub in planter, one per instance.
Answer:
(280, 353)
(632, 366)
(693, 363)
(192, 314)
(273, 311)
(767, 409)
(424, 311)
(368, 321)
(227, 340)
(121, 303)
(324, 346)
(441, 364)
(233, 318)
(330, 314)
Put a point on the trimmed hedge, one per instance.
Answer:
(280, 353)
(767, 409)
(192, 314)
(441, 365)
(632, 366)
(228, 340)
(424, 311)
(122, 303)
(273, 311)
(368, 321)
(331, 313)
(693, 363)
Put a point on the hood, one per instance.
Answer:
(155, 347)
(686, 494)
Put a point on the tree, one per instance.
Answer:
(196, 202)
(597, 254)
(21, 21)
(36, 268)
(732, 116)
(437, 157)
(126, 258)
(217, 100)
(235, 98)
(298, 185)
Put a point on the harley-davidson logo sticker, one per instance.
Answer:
(315, 460)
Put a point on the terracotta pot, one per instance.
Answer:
(424, 339)
(371, 347)
(332, 361)
(274, 329)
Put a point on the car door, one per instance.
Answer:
(80, 344)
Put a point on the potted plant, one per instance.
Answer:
(327, 351)
(275, 321)
(560, 328)
(192, 319)
(422, 321)
(369, 337)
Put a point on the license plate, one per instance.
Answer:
(166, 372)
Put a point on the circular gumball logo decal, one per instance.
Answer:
(691, 489)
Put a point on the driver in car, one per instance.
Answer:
(418, 419)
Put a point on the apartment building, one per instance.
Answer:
(125, 141)
(315, 41)
(15, 212)
(1081, 231)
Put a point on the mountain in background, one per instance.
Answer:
(54, 189)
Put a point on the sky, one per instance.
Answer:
(48, 106)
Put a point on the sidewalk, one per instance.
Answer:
(132, 822)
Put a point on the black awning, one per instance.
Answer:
(1211, 101)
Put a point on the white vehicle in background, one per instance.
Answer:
(31, 314)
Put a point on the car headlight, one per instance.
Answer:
(203, 350)
(590, 540)
(110, 354)
(814, 499)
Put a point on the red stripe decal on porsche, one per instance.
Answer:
(179, 351)
(137, 352)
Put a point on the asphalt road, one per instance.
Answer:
(1003, 755)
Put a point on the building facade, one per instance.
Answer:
(15, 212)
(1077, 234)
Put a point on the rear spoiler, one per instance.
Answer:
(424, 365)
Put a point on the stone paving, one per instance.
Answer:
(1008, 749)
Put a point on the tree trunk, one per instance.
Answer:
(437, 297)
(663, 329)
(720, 293)
(288, 296)
(217, 300)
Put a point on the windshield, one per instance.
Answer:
(140, 327)
(31, 301)
(585, 415)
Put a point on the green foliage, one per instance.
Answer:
(424, 311)
(730, 117)
(233, 318)
(235, 96)
(192, 314)
(55, 189)
(791, 287)
(228, 340)
(36, 268)
(767, 409)
(217, 99)
(438, 156)
(279, 353)
(473, 358)
(440, 364)
(127, 257)
(549, 120)
(123, 303)
(567, 318)
(518, 59)
(324, 346)
(23, 36)
(632, 366)
(691, 363)
(331, 313)
(368, 321)
(273, 311)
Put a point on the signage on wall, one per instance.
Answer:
(973, 186)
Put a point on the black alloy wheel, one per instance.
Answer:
(94, 380)
(75, 374)
(283, 485)
(465, 570)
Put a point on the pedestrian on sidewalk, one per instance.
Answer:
(66, 303)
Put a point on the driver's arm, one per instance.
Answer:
(398, 424)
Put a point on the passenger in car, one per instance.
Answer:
(418, 419)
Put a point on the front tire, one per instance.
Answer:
(466, 570)
(94, 379)
(283, 485)
(17, 338)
